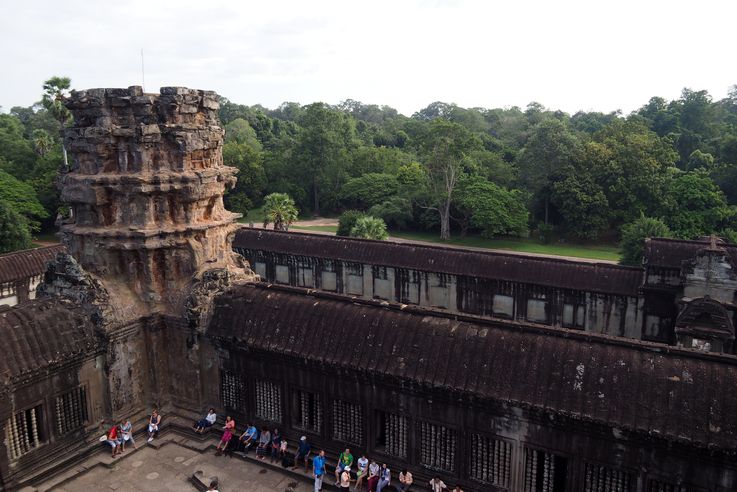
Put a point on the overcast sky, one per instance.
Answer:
(570, 55)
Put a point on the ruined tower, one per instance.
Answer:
(145, 191)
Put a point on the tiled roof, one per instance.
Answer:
(676, 394)
(42, 333)
(567, 274)
(671, 253)
(27, 263)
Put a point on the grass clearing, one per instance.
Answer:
(608, 252)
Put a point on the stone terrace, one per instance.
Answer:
(170, 464)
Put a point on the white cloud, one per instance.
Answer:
(569, 54)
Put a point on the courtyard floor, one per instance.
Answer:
(170, 467)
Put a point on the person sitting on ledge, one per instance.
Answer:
(112, 440)
(345, 459)
(153, 424)
(263, 443)
(126, 430)
(228, 429)
(249, 437)
(207, 422)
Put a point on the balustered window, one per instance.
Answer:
(308, 415)
(268, 401)
(438, 446)
(71, 410)
(545, 472)
(23, 432)
(232, 391)
(660, 486)
(392, 431)
(347, 422)
(305, 274)
(599, 478)
(490, 460)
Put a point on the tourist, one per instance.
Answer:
(248, 438)
(126, 429)
(345, 459)
(228, 429)
(373, 478)
(437, 485)
(362, 469)
(153, 424)
(345, 479)
(275, 444)
(112, 440)
(457, 488)
(385, 477)
(405, 480)
(213, 485)
(208, 421)
(264, 441)
(318, 468)
(283, 449)
(303, 452)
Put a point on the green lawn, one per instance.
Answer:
(523, 245)
(592, 251)
(256, 216)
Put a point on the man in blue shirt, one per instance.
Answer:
(249, 437)
(318, 466)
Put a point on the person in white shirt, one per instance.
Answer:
(437, 485)
(208, 421)
(361, 471)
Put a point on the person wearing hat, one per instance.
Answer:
(344, 460)
(303, 453)
(345, 479)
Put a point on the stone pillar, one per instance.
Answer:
(145, 191)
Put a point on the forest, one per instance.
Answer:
(667, 169)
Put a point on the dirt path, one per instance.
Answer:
(316, 222)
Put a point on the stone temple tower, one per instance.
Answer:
(145, 190)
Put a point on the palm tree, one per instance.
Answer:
(55, 90)
(42, 141)
(368, 227)
(279, 208)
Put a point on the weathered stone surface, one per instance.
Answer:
(146, 189)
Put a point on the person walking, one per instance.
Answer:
(318, 469)
(303, 453)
